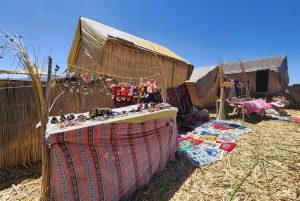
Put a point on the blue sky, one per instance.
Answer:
(201, 31)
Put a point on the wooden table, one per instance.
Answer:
(247, 107)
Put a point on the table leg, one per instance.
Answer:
(243, 112)
(217, 105)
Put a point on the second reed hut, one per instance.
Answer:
(267, 75)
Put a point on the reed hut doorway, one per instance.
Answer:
(262, 80)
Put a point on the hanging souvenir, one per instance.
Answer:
(127, 89)
(79, 80)
(72, 83)
(85, 90)
(108, 84)
(118, 93)
(92, 83)
(102, 83)
(113, 90)
(53, 83)
(56, 69)
(67, 82)
(86, 79)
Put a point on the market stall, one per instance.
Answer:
(109, 158)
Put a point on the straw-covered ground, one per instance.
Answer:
(264, 165)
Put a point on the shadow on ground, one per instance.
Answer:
(15, 175)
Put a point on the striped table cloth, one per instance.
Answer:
(108, 161)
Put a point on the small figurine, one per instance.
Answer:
(70, 117)
(92, 113)
(54, 120)
(62, 117)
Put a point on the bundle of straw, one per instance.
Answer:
(223, 113)
(245, 80)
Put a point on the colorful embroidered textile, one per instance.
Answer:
(172, 98)
(181, 101)
(157, 97)
(206, 144)
(186, 96)
(109, 161)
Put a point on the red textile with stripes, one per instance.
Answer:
(109, 161)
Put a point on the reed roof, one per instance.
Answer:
(274, 63)
(199, 73)
(91, 36)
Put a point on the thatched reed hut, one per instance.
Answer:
(267, 75)
(202, 86)
(294, 90)
(103, 49)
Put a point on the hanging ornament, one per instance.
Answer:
(108, 85)
(72, 83)
(85, 90)
(86, 79)
(67, 82)
(53, 83)
(113, 87)
(79, 80)
(92, 83)
(102, 83)
(56, 69)
(72, 87)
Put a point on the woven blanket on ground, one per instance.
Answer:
(109, 161)
(209, 142)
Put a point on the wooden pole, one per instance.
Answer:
(45, 184)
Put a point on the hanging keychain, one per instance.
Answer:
(102, 82)
(92, 83)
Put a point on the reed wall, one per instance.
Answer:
(20, 140)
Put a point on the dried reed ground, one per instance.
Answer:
(265, 165)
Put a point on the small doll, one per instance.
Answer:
(113, 90)
(102, 83)
(240, 86)
(62, 117)
(118, 93)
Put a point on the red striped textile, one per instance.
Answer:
(109, 161)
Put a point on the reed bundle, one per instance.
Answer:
(29, 66)
(223, 112)
(244, 75)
